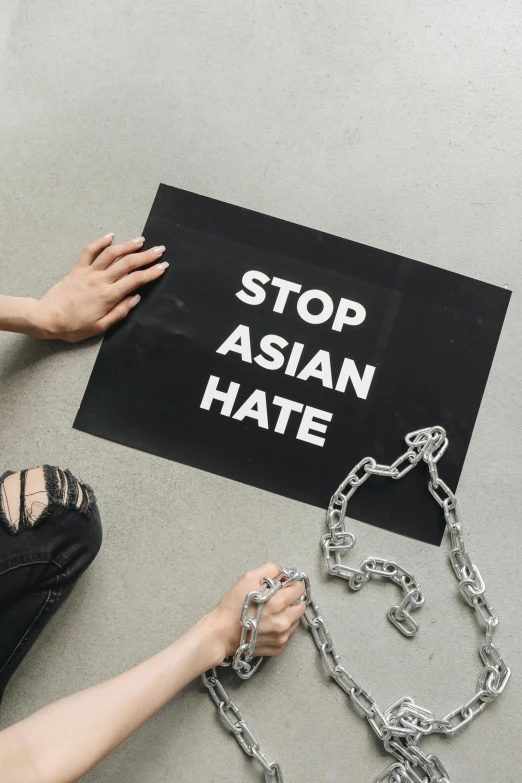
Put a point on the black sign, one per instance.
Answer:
(279, 356)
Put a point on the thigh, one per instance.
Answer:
(50, 532)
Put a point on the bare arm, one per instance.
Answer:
(62, 742)
(17, 314)
(93, 296)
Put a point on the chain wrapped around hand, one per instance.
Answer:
(401, 726)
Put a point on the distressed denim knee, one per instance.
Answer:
(52, 498)
(28, 497)
(50, 532)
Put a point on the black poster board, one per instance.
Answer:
(332, 351)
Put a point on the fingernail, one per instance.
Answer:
(160, 249)
(139, 240)
(163, 265)
(109, 236)
(134, 301)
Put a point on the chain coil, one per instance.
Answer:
(401, 726)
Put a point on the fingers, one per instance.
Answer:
(276, 628)
(118, 312)
(133, 261)
(279, 624)
(293, 628)
(135, 280)
(287, 596)
(284, 598)
(112, 252)
(93, 249)
(256, 575)
(276, 644)
(294, 613)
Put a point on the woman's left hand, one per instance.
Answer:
(96, 292)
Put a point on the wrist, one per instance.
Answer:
(19, 314)
(43, 325)
(219, 636)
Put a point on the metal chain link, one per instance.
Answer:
(401, 726)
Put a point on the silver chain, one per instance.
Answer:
(401, 726)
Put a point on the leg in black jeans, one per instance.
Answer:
(50, 532)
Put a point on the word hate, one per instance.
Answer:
(255, 407)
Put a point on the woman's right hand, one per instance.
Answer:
(279, 619)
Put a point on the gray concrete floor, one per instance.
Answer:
(394, 124)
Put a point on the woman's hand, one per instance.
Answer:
(48, 741)
(279, 619)
(96, 292)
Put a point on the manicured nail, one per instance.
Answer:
(139, 240)
(159, 250)
(109, 236)
(134, 301)
(163, 265)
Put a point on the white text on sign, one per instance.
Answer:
(255, 407)
(296, 363)
(342, 318)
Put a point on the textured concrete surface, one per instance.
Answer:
(394, 124)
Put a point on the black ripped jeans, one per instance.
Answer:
(50, 532)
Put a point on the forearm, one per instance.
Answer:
(17, 314)
(66, 739)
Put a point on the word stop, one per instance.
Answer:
(348, 312)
